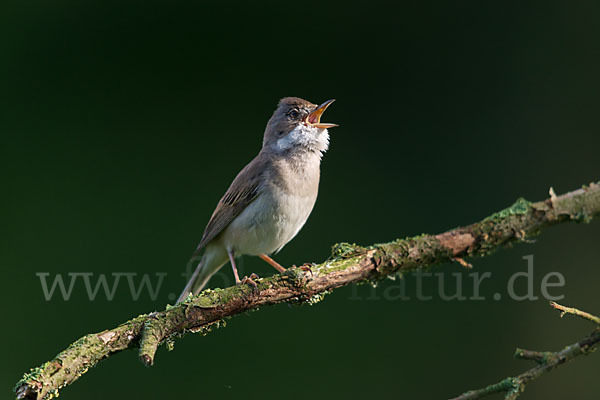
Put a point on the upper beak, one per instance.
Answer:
(314, 118)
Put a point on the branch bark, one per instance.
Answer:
(547, 360)
(348, 264)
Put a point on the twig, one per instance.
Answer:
(349, 264)
(462, 262)
(570, 310)
(547, 360)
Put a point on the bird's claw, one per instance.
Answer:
(250, 280)
(306, 268)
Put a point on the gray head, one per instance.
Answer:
(296, 125)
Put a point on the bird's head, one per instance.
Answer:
(296, 125)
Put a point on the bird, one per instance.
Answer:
(270, 199)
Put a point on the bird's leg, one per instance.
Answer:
(237, 276)
(272, 262)
(233, 267)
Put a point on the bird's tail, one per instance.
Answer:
(210, 262)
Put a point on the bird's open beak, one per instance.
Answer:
(314, 118)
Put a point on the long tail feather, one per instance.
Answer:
(189, 286)
(213, 258)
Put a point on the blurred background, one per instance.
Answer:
(123, 123)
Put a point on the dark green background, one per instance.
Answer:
(122, 123)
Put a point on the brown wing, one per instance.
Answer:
(243, 190)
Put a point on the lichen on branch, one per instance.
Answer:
(348, 264)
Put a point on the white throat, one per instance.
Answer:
(304, 137)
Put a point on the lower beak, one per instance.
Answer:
(314, 118)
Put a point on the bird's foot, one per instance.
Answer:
(249, 280)
(306, 268)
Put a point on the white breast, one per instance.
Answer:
(268, 223)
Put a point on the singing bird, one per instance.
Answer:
(271, 198)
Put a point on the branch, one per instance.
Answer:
(348, 264)
(546, 360)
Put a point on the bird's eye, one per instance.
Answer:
(293, 113)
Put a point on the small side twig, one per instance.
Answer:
(571, 310)
(462, 262)
(547, 360)
(539, 357)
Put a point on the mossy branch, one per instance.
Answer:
(348, 264)
(547, 360)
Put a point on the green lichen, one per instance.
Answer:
(297, 277)
(503, 227)
(345, 250)
(170, 344)
(32, 377)
(506, 385)
(210, 298)
(315, 298)
(206, 329)
(335, 265)
(418, 252)
(582, 217)
(295, 274)
(308, 299)
(519, 207)
(35, 377)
